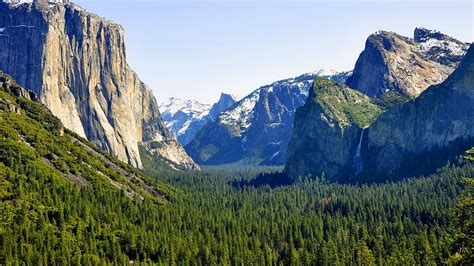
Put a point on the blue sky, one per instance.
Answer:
(196, 49)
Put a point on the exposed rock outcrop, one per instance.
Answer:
(257, 129)
(411, 139)
(76, 62)
(395, 66)
(328, 131)
(31, 137)
(423, 134)
(8, 84)
(225, 102)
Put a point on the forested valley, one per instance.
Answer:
(221, 217)
(371, 164)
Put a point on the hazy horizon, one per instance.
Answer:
(198, 49)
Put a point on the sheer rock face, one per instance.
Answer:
(76, 62)
(225, 102)
(423, 134)
(328, 130)
(411, 139)
(395, 65)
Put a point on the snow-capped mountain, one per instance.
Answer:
(19, 2)
(256, 129)
(394, 66)
(186, 117)
(440, 47)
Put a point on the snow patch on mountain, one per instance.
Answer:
(439, 47)
(179, 114)
(257, 129)
(240, 116)
(21, 2)
(453, 47)
(191, 108)
(186, 117)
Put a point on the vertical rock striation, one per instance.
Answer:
(76, 62)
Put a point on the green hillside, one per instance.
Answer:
(65, 202)
(62, 196)
(343, 104)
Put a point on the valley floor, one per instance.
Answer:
(219, 217)
(226, 217)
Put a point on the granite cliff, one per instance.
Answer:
(421, 135)
(411, 139)
(393, 66)
(76, 63)
(328, 130)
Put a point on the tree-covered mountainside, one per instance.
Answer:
(61, 196)
(33, 140)
(66, 203)
(343, 105)
(462, 241)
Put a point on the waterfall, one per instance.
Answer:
(358, 165)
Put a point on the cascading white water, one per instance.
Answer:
(358, 165)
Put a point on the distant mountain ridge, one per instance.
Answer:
(256, 130)
(186, 117)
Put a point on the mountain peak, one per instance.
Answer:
(225, 101)
(423, 34)
(225, 96)
(186, 117)
(257, 129)
(439, 47)
(393, 66)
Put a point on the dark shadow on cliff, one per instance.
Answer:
(273, 180)
(419, 164)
